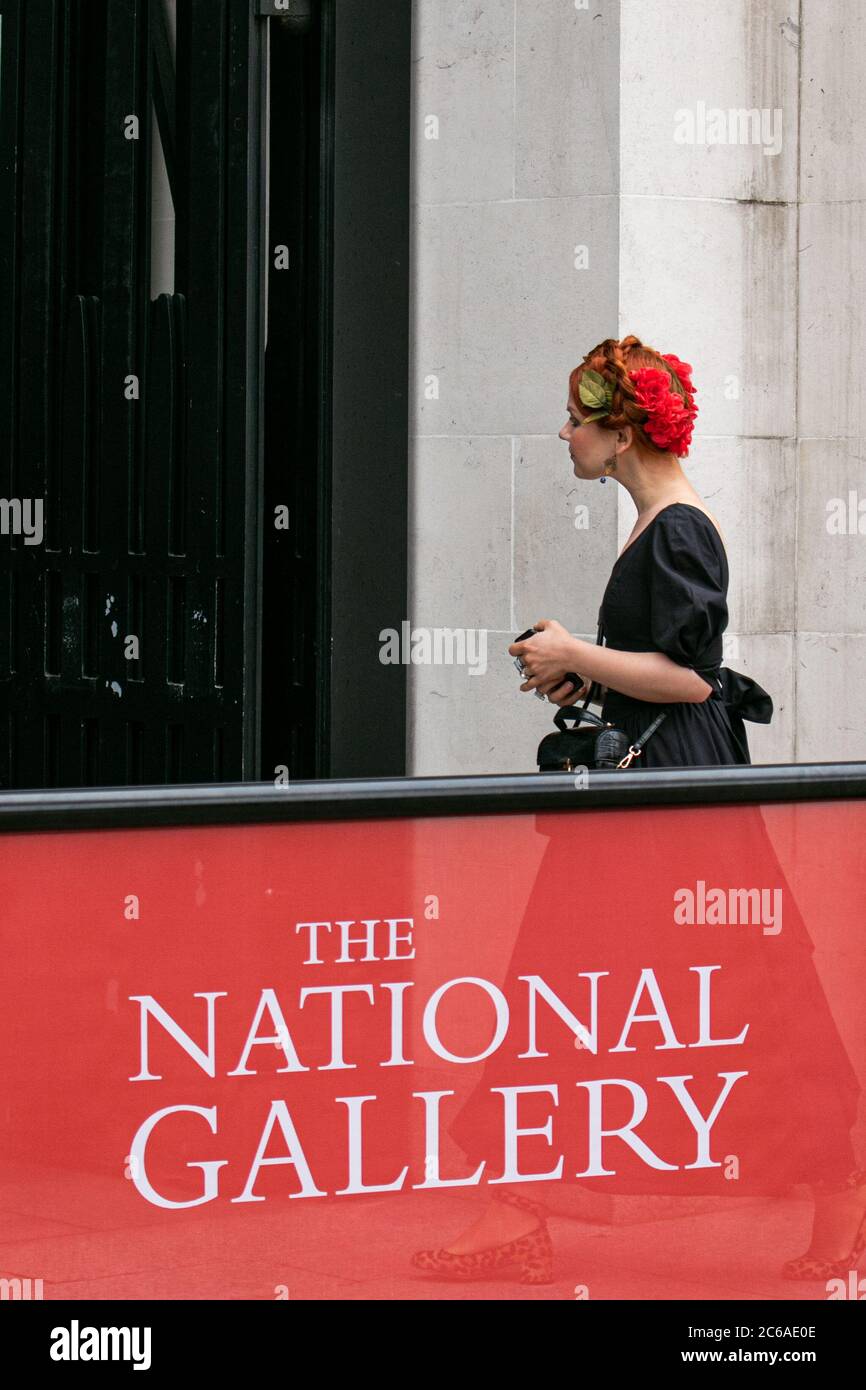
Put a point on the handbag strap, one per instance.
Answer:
(636, 748)
(593, 684)
(580, 716)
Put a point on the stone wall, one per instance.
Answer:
(677, 169)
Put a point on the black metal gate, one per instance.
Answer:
(131, 636)
(174, 622)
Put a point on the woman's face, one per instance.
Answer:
(589, 446)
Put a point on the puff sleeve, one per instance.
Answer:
(688, 588)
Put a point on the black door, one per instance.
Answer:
(172, 254)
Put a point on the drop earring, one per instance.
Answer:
(611, 463)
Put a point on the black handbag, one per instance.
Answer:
(593, 742)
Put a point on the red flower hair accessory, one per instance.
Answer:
(670, 419)
(683, 370)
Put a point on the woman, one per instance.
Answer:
(630, 416)
(664, 609)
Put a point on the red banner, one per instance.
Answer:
(275, 1062)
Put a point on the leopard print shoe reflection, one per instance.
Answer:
(532, 1253)
(813, 1267)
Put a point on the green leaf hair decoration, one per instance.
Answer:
(596, 393)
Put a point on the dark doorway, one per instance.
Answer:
(179, 377)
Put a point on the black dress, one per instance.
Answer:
(591, 908)
(667, 592)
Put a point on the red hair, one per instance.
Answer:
(614, 360)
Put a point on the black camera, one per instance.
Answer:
(576, 680)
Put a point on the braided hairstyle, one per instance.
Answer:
(614, 360)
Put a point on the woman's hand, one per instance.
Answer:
(567, 695)
(547, 655)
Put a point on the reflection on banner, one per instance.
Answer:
(276, 1061)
